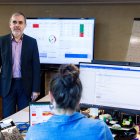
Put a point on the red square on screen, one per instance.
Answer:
(35, 25)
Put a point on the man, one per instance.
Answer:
(20, 67)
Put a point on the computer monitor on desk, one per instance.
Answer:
(111, 86)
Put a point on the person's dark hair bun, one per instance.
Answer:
(66, 87)
(69, 74)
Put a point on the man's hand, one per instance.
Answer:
(35, 95)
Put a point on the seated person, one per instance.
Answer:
(66, 123)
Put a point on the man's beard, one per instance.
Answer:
(17, 33)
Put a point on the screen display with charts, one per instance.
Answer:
(39, 112)
(63, 40)
(111, 86)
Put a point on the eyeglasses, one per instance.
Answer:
(19, 22)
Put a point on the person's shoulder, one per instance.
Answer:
(28, 37)
(3, 37)
(36, 127)
(95, 122)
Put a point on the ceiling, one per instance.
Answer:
(69, 1)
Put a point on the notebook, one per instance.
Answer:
(39, 112)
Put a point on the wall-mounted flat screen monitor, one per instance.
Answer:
(63, 40)
(111, 86)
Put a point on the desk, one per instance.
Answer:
(23, 115)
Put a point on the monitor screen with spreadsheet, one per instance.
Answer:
(111, 86)
(63, 40)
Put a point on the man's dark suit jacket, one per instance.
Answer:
(30, 65)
